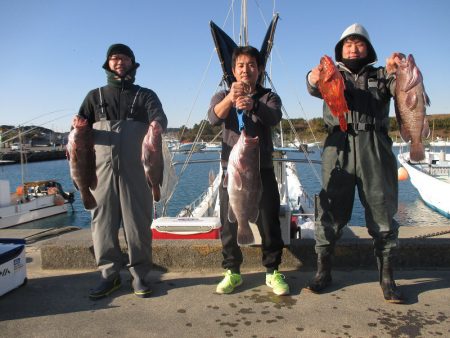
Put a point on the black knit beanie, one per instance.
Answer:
(118, 48)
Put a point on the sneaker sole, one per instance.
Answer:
(283, 293)
(106, 294)
(222, 292)
(143, 294)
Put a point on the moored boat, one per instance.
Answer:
(32, 201)
(431, 178)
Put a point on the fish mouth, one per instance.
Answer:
(414, 75)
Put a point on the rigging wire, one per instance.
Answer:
(283, 108)
(204, 121)
(288, 119)
(32, 129)
(27, 122)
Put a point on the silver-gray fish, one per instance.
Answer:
(243, 183)
(81, 155)
(152, 159)
(410, 106)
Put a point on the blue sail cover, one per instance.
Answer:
(225, 47)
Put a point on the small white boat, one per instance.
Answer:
(32, 201)
(190, 146)
(440, 142)
(431, 178)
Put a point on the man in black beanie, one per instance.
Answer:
(120, 114)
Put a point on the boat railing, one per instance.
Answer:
(434, 170)
(187, 211)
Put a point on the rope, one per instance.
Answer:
(305, 151)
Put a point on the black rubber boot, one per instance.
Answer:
(322, 279)
(390, 291)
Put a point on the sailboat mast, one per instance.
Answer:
(21, 161)
(243, 40)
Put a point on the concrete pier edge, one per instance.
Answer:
(74, 250)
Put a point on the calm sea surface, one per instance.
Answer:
(194, 180)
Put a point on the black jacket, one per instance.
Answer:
(132, 102)
(259, 122)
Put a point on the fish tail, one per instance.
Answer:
(417, 152)
(88, 199)
(342, 122)
(245, 235)
(156, 193)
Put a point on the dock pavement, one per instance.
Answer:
(54, 302)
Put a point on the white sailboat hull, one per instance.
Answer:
(41, 207)
(431, 180)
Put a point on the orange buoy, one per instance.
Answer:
(402, 174)
(19, 190)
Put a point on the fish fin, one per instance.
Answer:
(426, 98)
(88, 199)
(94, 183)
(342, 123)
(411, 100)
(417, 152)
(225, 181)
(237, 180)
(405, 134)
(156, 193)
(245, 235)
(426, 128)
(231, 215)
(253, 215)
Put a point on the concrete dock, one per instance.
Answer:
(61, 270)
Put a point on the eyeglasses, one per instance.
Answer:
(119, 57)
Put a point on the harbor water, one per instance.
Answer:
(195, 179)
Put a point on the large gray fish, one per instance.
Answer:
(243, 183)
(410, 106)
(152, 159)
(81, 155)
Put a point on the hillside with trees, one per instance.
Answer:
(439, 126)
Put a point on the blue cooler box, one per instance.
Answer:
(13, 267)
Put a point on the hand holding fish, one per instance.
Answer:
(314, 75)
(244, 103)
(238, 89)
(393, 61)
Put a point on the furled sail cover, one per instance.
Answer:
(225, 46)
(267, 45)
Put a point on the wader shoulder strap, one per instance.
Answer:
(130, 116)
(102, 105)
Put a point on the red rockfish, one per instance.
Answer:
(243, 183)
(152, 159)
(331, 86)
(410, 106)
(81, 155)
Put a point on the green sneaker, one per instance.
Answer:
(229, 282)
(277, 283)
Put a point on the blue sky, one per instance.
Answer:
(52, 50)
